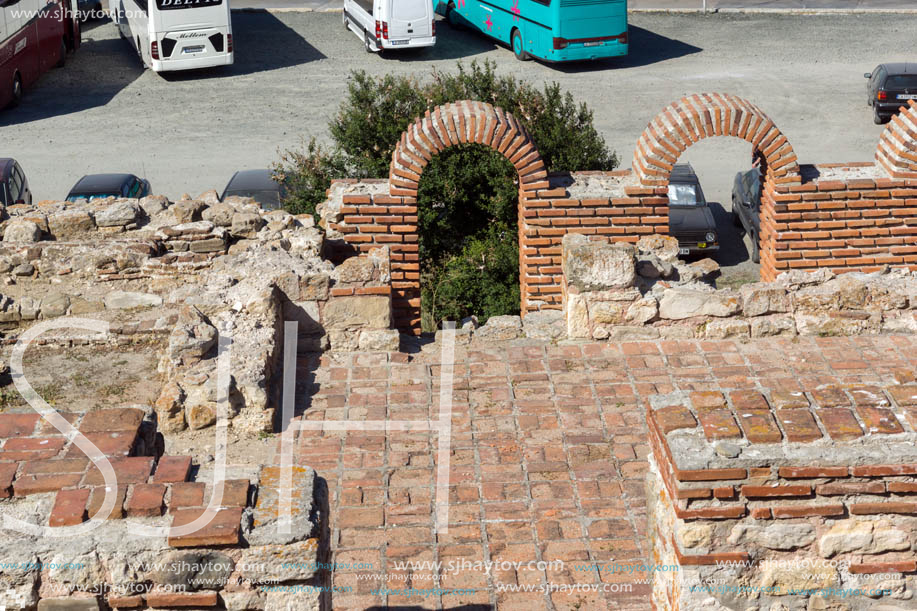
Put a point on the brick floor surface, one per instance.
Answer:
(548, 457)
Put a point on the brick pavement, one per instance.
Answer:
(548, 455)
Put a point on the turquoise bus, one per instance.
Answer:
(552, 30)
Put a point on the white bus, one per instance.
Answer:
(176, 34)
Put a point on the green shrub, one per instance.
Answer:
(307, 174)
(467, 198)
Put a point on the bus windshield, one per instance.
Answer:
(170, 5)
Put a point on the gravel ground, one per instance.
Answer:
(190, 132)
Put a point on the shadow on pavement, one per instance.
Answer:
(451, 43)
(732, 244)
(645, 48)
(264, 43)
(96, 73)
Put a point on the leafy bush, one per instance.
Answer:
(467, 199)
(307, 173)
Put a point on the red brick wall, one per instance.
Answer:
(809, 219)
(857, 224)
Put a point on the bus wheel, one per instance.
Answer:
(518, 49)
(63, 53)
(17, 91)
(452, 16)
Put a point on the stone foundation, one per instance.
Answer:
(173, 273)
(785, 500)
(622, 291)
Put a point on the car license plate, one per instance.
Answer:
(596, 43)
(399, 42)
(906, 96)
(684, 251)
(195, 49)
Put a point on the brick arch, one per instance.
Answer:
(464, 122)
(896, 152)
(695, 117)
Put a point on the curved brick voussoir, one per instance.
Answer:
(699, 116)
(897, 149)
(459, 123)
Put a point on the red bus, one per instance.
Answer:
(35, 36)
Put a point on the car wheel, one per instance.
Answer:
(63, 54)
(518, 48)
(17, 91)
(755, 254)
(876, 117)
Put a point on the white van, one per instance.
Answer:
(391, 24)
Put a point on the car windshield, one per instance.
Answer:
(682, 194)
(901, 81)
(269, 200)
(90, 197)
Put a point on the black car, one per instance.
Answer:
(14, 187)
(259, 185)
(691, 221)
(889, 88)
(97, 186)
(746, 207)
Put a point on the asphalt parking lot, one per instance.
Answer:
(190, 132)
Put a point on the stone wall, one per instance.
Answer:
(784, 499)
(173, 273)
(643, 291)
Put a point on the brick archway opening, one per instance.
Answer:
(463, 122)
(697, 117)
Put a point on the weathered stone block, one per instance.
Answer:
(187, 211)
(767, 326)
(773, 536)
(681, 303)
(118, 214)
(246, 224)
(546, 324)
(21, 231)
(126, 300)
(296, 561)
(762, 298)
(219, 214)
(590, 266)
(355, 270)
(663, 246)
(727, 329)
(577, 316)
(500, 328)
(370, 311)
(643, 311)
(379, 340)
(834, 323)
(70, 224)
(54, 305)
